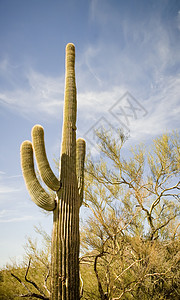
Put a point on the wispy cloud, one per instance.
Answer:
(10, 186)
(18, 215)
(145, 47)
(142, 61)
(34, 93)
(6, 189)
(178, 20)
(12, 215)
(163, 107)
(18, 219)
(2, 173)
(15, 176)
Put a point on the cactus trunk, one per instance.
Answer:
(65, 264)
(68, 188)
(65, 246)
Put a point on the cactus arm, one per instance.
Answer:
(42, 162)
(38, 195)
(80, 157)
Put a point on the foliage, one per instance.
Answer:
(130, 242)
(131, 238)
(31, 277)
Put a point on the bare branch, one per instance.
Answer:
(20, 281)
(135, 262)
(101, 292)
(163, 225)
(82, 287)
(34, 295)
(32, 282)
(30, 294)
(45, 281)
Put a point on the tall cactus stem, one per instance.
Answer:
(70, 107)
(69, 190)
(66, 233)
(65, 261)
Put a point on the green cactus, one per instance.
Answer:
(68, 189)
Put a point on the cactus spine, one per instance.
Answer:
(68, 188)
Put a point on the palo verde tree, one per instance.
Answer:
(68, 188)
(147, 181)
(131, 239)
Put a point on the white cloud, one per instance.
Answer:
(14, 176)
(2, 174)
(142, 60)
(178, 20)
(11, 188)
(162, 106)
(12, 215)
(18, 219)
(137, 62)
(2, 213)
(35, 93)
(138, 52)
(7, 189)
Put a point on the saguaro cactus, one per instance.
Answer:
(68, 189)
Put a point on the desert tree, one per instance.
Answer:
(134, 221)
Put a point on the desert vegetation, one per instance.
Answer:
(130, 246)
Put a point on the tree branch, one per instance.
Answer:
(45, 281)
(102, 295)
(32, 282)
(30, 294)
(20, 281)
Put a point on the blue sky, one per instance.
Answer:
(127, 54)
